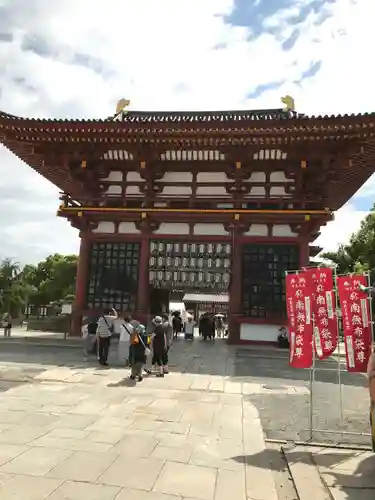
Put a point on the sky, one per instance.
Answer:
(76, 59)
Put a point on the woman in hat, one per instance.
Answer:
(159, 345)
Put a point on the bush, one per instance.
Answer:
(59, 324)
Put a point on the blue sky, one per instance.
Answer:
(61, 59)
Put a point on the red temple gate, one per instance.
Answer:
(201, 202)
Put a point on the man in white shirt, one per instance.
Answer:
(127, 329)
(106, 326)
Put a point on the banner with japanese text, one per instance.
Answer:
(298, 300)
(355, 310)
(324, 309)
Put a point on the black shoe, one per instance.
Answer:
(140, 378)
(132, 377)
(149, 372)
(160, 374)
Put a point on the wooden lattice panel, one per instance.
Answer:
(263, 275)
(113, 275)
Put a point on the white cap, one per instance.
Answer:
(157, 320)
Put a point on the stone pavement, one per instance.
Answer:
(81, 432)
(329, 473)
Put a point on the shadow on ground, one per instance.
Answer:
(344, 471)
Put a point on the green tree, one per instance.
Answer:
(52, 279)
(359, 254)
(12, 293)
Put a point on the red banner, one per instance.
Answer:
(355, 309)
(324, 309)
(298, 299)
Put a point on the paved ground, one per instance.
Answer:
(76, 432)
(326, 474)
(280, 393)
(70, 430)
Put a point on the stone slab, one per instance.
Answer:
(187, 481)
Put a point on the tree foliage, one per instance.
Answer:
(359, 254)
(51, 280)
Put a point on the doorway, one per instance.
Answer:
(159, 301)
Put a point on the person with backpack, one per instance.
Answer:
(104, 331)
(139, 352)
(124, 345)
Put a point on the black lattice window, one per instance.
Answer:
(263, 278)
(113, 276)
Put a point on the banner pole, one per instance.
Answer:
(370, 299)
(312, 384)
(338, 349)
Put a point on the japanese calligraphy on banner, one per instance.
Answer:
(355, 309)
(324, 309)
(298, 299)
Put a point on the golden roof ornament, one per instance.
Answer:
(289, 103)
(121, 105)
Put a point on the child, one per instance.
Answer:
(139, 351)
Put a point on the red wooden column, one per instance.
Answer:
(235, 290)
(82, 278)
(143, 293)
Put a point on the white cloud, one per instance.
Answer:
(347, 221)
(162, 55)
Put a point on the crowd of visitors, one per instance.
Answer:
(140, 343)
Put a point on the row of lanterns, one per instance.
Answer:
(200, 279)
(158, 247)
(188, 263)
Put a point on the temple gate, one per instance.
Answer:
(171, 203)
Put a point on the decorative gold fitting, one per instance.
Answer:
(79, 214)
(307, 217)
(238, 165)
(236, 216)
(143, 164)
(303, 164)
(83, 164)
(143, 215)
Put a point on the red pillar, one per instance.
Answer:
(81, 286)
(304, 253)
(143, 293)
(235, 291)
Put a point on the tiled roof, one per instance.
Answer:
(205, 116)
(180, 117)
(206, 298)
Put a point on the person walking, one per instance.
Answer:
(159, 345)
(7, 324)
(124, 346)
(139, 351)
(89, 328)
(168, 330)
(176, 324)
(106, 326)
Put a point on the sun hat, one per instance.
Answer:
(157, 320)
(140, 329)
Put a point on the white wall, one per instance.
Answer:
(263, 333)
